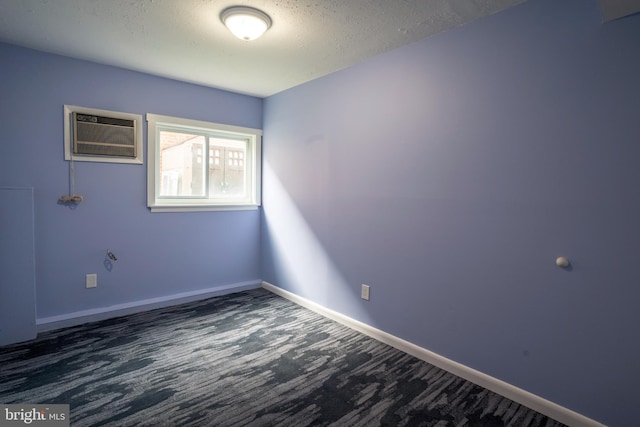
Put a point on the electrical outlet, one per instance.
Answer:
(91, 281)
(364, 292)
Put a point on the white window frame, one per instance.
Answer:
(159, 203)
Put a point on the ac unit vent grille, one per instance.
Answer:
(104, 136)
(97, 149)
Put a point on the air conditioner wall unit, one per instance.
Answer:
(102, 136)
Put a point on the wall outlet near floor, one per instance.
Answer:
(364, 292)
(91, 281)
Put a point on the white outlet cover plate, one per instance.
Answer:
(91, 281)
(364, 293)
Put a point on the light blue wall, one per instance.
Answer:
(159, 254)
(449, 174)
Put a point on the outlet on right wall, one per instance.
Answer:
(450, 174)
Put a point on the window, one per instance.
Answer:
(195, 165)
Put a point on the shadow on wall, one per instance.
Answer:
(616, 9)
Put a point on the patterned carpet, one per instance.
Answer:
(245, 359)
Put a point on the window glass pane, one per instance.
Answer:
(181, 169)
(227, 175)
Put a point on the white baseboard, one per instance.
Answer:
(102, 313)
(530, 400)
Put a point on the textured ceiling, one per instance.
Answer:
(185, 40)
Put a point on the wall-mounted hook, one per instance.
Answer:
(111, 256)
(562, 262)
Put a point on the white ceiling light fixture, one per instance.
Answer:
(246, 23)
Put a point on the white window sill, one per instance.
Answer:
(205, 208)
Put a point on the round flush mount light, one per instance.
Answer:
(246, 23)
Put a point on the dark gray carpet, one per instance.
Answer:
(245, 359)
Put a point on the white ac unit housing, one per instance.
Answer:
(102, 136)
